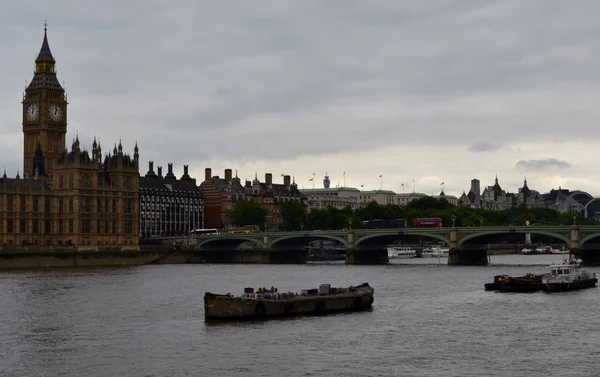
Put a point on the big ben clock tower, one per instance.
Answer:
(44, 116)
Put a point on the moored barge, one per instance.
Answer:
(268, 304)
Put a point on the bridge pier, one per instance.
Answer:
(468, 257)
(373, 256)
(590, 257)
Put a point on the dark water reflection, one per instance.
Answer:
(427, 320)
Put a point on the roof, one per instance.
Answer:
(331, 189)
(33, 184)
(169, 187)
(45, 55)
(374, 192)
(45, 80)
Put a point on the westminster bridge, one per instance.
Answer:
(368, 246)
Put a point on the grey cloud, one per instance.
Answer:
(277, 80)
(483, 147)
(548, 163)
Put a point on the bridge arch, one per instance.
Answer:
(438, 237)
(471, 236)
(229, 240)
(309, 237)
(588, 238)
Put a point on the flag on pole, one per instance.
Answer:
(362, 185)
(380, 175)
(402, 185)
(441, 183)
(413, 179)
(310, 179)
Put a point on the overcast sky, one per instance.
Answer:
(438, 91)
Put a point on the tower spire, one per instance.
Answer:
(45, 55)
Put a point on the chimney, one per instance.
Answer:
(185, 175)
(228, 174)
(286, 180)
(150, 169)
(207, 173)
(159, 171)
(170, 174)
(248, 184)
(269, 179)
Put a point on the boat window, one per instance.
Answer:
(559, 272)
(566, 271)
(553, 272)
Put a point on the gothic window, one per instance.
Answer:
(47, 227)
(9, 226)
(85, 180)
(71, 181)
(71, 205)
(47, 207)
(61, 205)
(36, 204)
(98, 227)
(61, 182)
(114, 205)
(98, 206)
(22, 226)
(71, 226)
(23, 203)
(35, 224)
(61, 226)
(106, 226)
(114, 227)
(85, 226)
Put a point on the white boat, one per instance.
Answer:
(440, 252)
(400, 252)
(568, 276)
(527, 250)
(436, 251)
(559, 251)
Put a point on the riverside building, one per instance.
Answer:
(169, 206)
(66, 197)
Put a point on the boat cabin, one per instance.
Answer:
(562, 269)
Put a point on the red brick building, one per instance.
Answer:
(221, 194)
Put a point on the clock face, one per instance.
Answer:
(32, 112)
(55, 112)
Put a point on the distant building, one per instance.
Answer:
(169, 206)
(381, 197)
(221, 195)
(337, 197)
(404, 199)
(450, 198)
(566, 201)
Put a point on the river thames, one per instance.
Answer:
(428, 319)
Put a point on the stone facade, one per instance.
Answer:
(66, 197)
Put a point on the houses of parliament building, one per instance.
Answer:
(66, 196)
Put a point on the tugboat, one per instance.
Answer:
(568, 276)
(495, 286)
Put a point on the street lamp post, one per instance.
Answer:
(453, 220)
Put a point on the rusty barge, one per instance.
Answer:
(270, 303)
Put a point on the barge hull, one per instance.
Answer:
(220, 307)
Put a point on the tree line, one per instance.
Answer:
(331, 218)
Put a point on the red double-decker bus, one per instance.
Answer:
(426, 222)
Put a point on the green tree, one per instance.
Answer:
(293, 216)
(248, 213)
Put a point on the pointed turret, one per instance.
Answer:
(45, 55)
(45, 72)
(120, 147)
